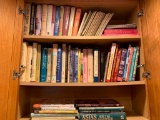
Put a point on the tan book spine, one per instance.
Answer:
(49, 21)
(61, 21)
(38, 63)
(90, 65)
(44, 19)
(54, 63)
(24, 60)
(49, 65)
(29, 63)
(71, 21)
(63, 62)
(34, 60)
(27, 19)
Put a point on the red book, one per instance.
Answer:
(66, 21)
(120, 31)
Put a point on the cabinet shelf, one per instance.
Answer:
(82, 84)
(81, 39)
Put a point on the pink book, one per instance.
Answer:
(120, 31)
(85, 65)
(120, 34)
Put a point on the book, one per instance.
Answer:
(49, 65)
(53, 118)
(106, 67)
(33, 115)
(122, 26)
(38, 19)
(101, 109)
(38, 63)
(44, 19)
(69, 63)
(90, 65)
(120, 31)
(57, 16)
(29, 63)
(76, 22)
(95, 64)
(27, 19)
(49, 20)
(59, 65)
(85, 65)
(61, 21)
(53, 19)
(57, 111)
(76, 66)
(79, 65)
(71, 21)
(63, 62)
(66, 18)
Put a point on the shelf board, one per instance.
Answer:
(82, 84)
(81, 39)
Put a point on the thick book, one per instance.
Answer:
(61, 21)
(49, 66)
(120, 31)
(38, 20)
(29, 63)
(76, 66)
(44, 65)
(90, 65)
(57, 16)
(59, 65)
(49, 20)
(53, 18)
(71, 21)
(57, 111)
(44, 19)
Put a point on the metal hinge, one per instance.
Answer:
(141, 13)
(146, 73)
(16, 74)
(21, 11)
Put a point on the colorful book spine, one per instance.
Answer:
(53, 19)
(34, 62)
(24, 60)
(79, 65)
(44, 19)
(133, 63)
(54, 63)
(59, 65)
(66, 20)
(120, 31)
(27, 19)
(38, 63)
(29, 63)
(76, 66)
(38, 19)
(96, 52)
(49, 66)
(49, 20)
(33, 19)
(106, 67)
(90, 65)
(63, 62)
(57, 16)
(109, 109)
(121, 65)
(69, 63)
(71, 66)
(71, 21)
(85, 65)
(61, 21)
(44, 65)
(76, 22)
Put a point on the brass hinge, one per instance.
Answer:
(16, 74)
(141, 13)
(21, 11)
(146, 73)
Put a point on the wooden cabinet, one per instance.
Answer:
(140, 98)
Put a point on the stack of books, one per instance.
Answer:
(102, 109)
(54, 110)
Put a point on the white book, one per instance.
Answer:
(54, 62)
(49, 65)
(34, 62)
(49, 20)
(24, 60)
(95, 72)
(71, 21)
(90, 65)
(63, 62)
(29, 63)
(38, 19)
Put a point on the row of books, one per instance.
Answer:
(51, 20)
(67, 64)
(81, 109)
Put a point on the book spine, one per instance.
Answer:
(57, 111)
(44, 19)
(53, 19)
(34, 60)
(27, 19)
(120, 31)
(133, 62)
(69, 63)
(110, 116)
(54, 62)
(44, 65)
(57, 108)
(36, 115)
(71, 21)
(76, 22)
(49, 20)
(106, 67)
(66, 64)
(76, 66)
(61, 21)
(135, 65)
(90, 65)
(96, 64)
(29, 63)
(57, 16)
(79, 65)
(38, 19)
(71, 66)
(117, 65)
(38, 63)
(59, 65)
(102, 66)
(121, 65)
(32, 19)
(100, 108)
(49, 65)
(85, 65)
(110, 66)
(63, 62)
(24, 60)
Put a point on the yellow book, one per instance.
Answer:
(79, 65)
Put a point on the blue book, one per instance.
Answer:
(96, 52)
(57, 16)
(59, 65)
(133, 63)
(76, 66)
(44, 65)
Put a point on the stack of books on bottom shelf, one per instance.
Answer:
(106, 109)
(54, 110)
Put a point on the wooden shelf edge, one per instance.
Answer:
(82, 84)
